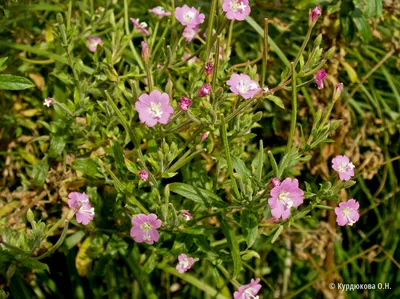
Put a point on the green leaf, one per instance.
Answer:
(258, 162)
(74, 239)
(276, 100)
(119, 157)
(277, 233)
(2, 61)
(362, 25)
(249, 225)
(34, 264)
(240, 168)
(233, 245)
(57, 145)
(40, 172)
(198, 195)
(87, 166)
(10, 82)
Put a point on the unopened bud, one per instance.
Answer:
(318, 40)
(330, 53)
(145, 52)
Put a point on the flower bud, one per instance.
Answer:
(319, 78)
(337, 92)
(209, 68)
(204, 136)
(330, 53)
(205, 90)
(184, 104)
(318, 40)
(275, 182)
(145, 52)
(315, 14)
(29, 216)
(144, 175)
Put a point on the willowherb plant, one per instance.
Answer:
(167, 129)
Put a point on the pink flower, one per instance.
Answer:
(185, 263)
(205, 90)
(284, 196)
(154, 108)
(187, 215)
(159, 11)
(48, 102)
(189, 33)
(319, 78)
(189, 16)
(93, 42)
(145, 228)
(344, 167)
(141, 26)
(209, 68)
(205, 136)
(248, 291)
(241, 84)
(275, 182)
(347, 212)
(80, 203)
(184, 104)
(236, 9)
(315, 14)
(144, 175)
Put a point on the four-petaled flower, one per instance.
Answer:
(140, 25)
(189, 16)
(144, 175)
(241, 84)
(344, 167)
(189, 33)
(319, 78)
(93, 42)
(184, 104)
(154, 108)
(347, 212)
(315, 14)
(185, 263)
(48, 102)
(187, 215)
(80, 203)
(236, 9)
(145, 228)
(159, 11)
(284, 196)
(248, 291)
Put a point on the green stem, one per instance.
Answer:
(58, 244)
(294, 108)
(273, 164)
(265, 53)
(210, 27)
(160, 41)
(135, 54)
(228, 156)
(63, 108)
(215, 70)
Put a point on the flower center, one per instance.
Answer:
(146, 227)
(185, 263)
(345, 213)
(188, 17)
(248, 294)
(237, 5)
(155, 110)
(343, 167)
(285, 200)
(87, 211)
(245, 86)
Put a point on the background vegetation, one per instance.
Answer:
(45, 153)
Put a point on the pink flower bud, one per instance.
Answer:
(338, 91)
(205, 90)
(315, 14)
(209, 68)
(275, 182)
(204, 136)
(319, 78)
(144, 175)
(184, 104)
(187, 215)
